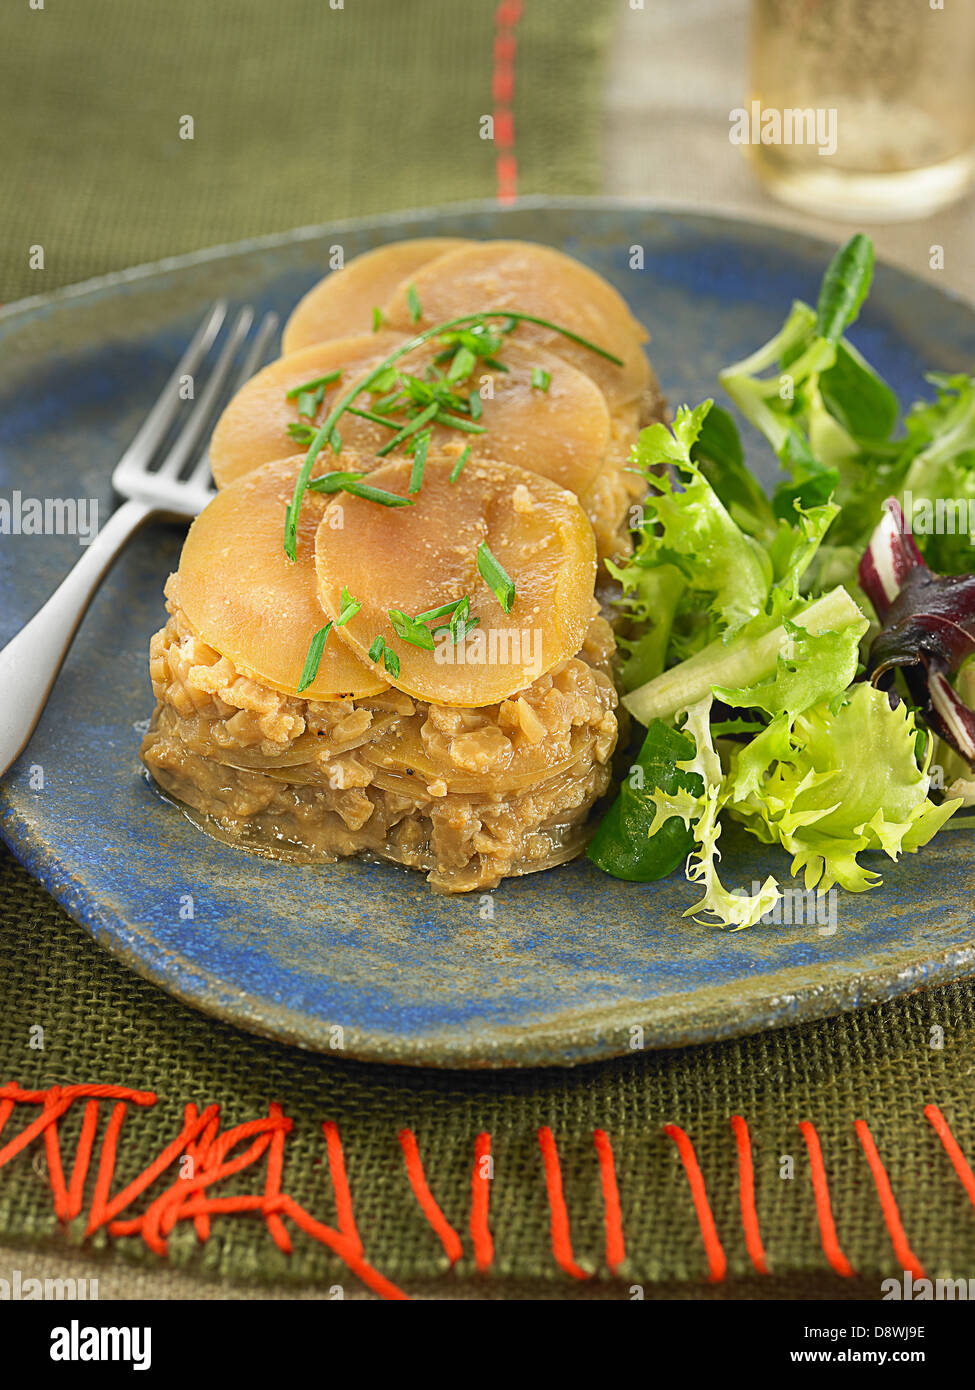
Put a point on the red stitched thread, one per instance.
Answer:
(103, 1211)
(746, 1192)
(55, 1171)
(340, 1182)
(82, 1159)
(824, 1210)
(506, 18)
(449, 1238)
(717, 1261)
(558, 1212)
(958, 1160)
(6, 1110)
(612, 1211)
(272, 1187)
(481, 1237)
(888, 1205)
(341, 1246)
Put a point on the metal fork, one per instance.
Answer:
(30, 662)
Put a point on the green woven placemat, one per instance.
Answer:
(884, 1065)
(302, 113)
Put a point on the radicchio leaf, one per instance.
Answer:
(928, 628)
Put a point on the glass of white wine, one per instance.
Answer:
(863, 108)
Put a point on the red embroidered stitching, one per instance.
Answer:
(824, 1210)
(958, 1160)
(506, 18)
(448, 1237)
(717, 1260)
(888, 1205)
(480, 1203)
(613, 1214)
(746, 1194)
(558, 1212)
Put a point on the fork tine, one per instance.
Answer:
(160, 417)
(253, 359)
(199, 416)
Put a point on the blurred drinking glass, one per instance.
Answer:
(875, 103)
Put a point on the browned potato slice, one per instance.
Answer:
(343, 302)
(253, 429)
(418, 558)
(249, 602)
(522, 275)
(562, 432)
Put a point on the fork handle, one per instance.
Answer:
(30, 662)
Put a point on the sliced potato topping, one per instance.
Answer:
(416, 559)
(343, 302)
(529, 278)
(562, 431)
(253, 429)
(250, 603)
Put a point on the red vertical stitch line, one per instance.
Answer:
(824, 1210)
(448, 1237)
(558, 1212)
(6, 1110)
(106, 1168)
(55, 1169)
(272, 1187)
(82, 1159)
(746, 1191)
(506, 18)
(613, 1212)
(340, 1182)
(481, 1237)
(888, 1204)
(958, 1160)
(717, 1261)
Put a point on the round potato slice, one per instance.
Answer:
(253, 430)
(560, 428)
(415, 559)
(532, 279)
(343, 302)
(253, 605)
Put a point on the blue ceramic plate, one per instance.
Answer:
(572, 965)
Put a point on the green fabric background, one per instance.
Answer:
(303, 114)
(102, 1023)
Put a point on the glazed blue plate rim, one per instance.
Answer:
(591, 1034)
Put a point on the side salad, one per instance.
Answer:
(798, 660)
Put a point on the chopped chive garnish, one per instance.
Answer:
(377, 319)
(377, 648)
(474, 405)
(335, 439)
(411, 427)
(462, 365)
(314, 658)
(301, 434)
(455, 472)
(309, 401)
(349, 482)
(325, 431)
(458, 422)
(541, 379)
(419, 462)
(495, 576)
(442, 611)
(413, 301)
(376, 419)
(348, 608)
(319, 383)
(391, 662)
(410, 630)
